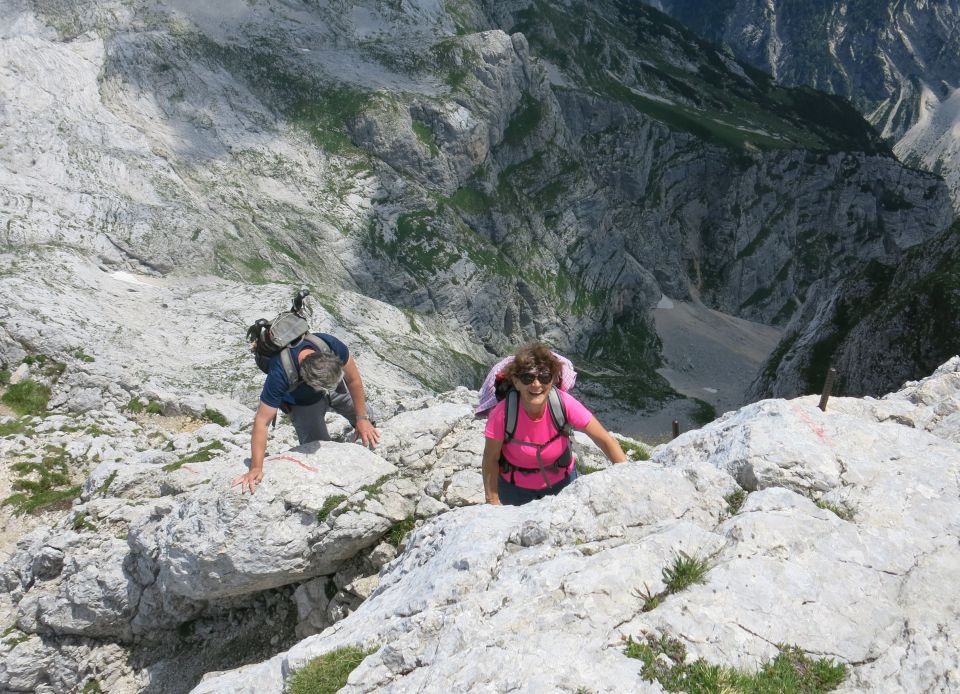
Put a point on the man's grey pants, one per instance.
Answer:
(309, 422)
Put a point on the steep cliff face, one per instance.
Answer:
(883, 325)
(507, 168)
(897, 62)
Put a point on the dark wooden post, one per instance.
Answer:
(676, 428)
(827, 387)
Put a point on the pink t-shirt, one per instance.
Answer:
(536, 431)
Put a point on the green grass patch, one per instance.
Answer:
(374, 489)
(424, 133)
(633, 450)
(399, 530)
(82, 522)
(215, 417)
(584, 469)
(14, 426)
(524, 121)
(471, 201)
(327, 115)
(12, 636)
(200, 456)
(791, 672)
(839, 511)
(4, 377)
(281, 248)
(328, 673)
(137, 406)
(83, 356)
(91, 687)
(330, 503)
(684, 572)
(704, 412)
(43, 485)
(27, 398)
(102, 489)
(257, 267)
(735, 501)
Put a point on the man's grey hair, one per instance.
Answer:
(321, 370)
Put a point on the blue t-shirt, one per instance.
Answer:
(275, 387)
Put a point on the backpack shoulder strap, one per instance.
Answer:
(317, 343)
(510, 417)
(558, 413)
(290, 369)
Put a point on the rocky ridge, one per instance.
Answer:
(844, 545)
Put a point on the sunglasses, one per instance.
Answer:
(544, 377)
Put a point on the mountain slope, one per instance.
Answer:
(897, 62)
(552, 185)
(884, 324)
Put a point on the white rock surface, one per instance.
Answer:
(478, 591)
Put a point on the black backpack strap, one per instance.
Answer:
(510, 417)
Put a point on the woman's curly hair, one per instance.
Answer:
(534, 356)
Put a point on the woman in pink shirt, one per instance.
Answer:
(537, 460)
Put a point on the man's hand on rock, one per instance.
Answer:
(249, 480)
(367, 434)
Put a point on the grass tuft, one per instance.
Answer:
(82, 521)
(841, 512)
(215, 417)
(14, 426)
(634, 450)
(27, 397)
(329, 504)
(735, 501)
(102, 489)
(584, 469)
(44, 485)
(685, 572)
(328, 673)
(83, 356)
(791, 672)
(200, 456)
(399, 530)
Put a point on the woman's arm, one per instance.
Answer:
(491, 470)
(608, 444)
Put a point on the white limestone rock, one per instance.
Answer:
(860, 576)
(218, 542)
(465, 489)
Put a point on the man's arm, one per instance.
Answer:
(366, 432)
(258, 448)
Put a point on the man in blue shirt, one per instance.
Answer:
(329, 379)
